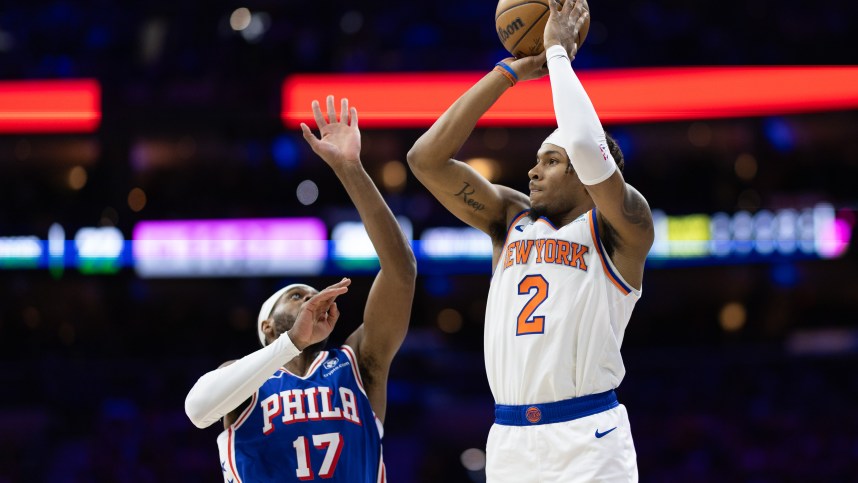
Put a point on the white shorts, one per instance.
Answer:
(594, 448)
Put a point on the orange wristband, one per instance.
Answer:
(506, 72)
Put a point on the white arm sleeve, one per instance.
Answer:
(580, 131)
(220, 391)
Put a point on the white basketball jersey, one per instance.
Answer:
(556, 313)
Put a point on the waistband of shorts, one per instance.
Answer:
(555, 412)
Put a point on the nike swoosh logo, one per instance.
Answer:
(519, 228)
(600, 435)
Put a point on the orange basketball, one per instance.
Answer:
(521, 23)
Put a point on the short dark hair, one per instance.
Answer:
(616, 152)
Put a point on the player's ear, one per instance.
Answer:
(267, 327)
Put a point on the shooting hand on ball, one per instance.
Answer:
(528, 68)
(565, 25)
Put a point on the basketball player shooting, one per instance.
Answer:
(568, 264)
(293, 411)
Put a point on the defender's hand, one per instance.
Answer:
(340, 138)
(317, 316)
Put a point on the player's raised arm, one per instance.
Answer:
(623, 208)
(463, 191)
(388, 307)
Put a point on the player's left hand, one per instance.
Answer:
(565, 23)
(340, 138)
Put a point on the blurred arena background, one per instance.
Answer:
(741, 355)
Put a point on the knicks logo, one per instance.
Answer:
(533, 414)
(546, 250)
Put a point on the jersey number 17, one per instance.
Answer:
(332, 442)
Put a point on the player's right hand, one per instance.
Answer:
(528, 68)
(317, 316)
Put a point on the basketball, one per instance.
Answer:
(521, 24)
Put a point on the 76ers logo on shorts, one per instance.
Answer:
(533, 414)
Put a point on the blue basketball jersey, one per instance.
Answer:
(318, 427)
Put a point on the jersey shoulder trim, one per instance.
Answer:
(350, 354)
(382, 471)
(244, 414)
(603, 256)
(320, 358)
(230, 451)
(547, 222)
(317, 363)
(515, 219)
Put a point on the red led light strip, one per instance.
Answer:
(50, 106)
(620, 95)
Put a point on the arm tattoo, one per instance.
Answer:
(635, 212)
(635, 209)
(467, 193)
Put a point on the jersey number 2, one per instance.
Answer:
(527, 322)
(334, 444)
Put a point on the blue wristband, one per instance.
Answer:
(508, 69)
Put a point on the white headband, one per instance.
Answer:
(555, 139)
(268, 307)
